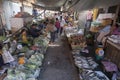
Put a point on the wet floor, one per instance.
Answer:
(58, 63)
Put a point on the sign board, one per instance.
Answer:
(106, 16)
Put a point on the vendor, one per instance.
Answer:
(34, 31)
(24, 37)
(116, 30)
(42, 25)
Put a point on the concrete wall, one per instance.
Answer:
(16, 7)
(82, 19)
(11, 9)
(7, 7)
(28, 9)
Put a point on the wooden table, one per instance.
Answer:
(113, 52)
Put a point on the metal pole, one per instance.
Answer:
(22, 7)
(116, 14)
(44, 13)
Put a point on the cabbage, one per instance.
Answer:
(16, 75)
(31, 66)
(2, 38)
(9, 77)
(37, 72)
(25, 49)
(29, 53)
(30, 70)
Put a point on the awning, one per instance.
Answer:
(90, 4)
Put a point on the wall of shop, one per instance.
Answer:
(10, 9)
(7, 7)
(82, 19)
(15, 8)
(28, 9)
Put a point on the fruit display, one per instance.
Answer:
(75, 37)
(70, 31)
(77, 41)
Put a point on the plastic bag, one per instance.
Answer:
(7, 57)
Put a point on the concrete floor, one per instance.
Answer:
(58, 63)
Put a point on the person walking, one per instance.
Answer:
(52, 29)
(57, 25)
(62, 24)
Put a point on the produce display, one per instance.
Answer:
(28, 59)
(2, 38)
(115, 38)
(75, 37)
(93, 75)
(84, 62)
(86, 67)
(82, 58)
(77, 41)
(70, 31)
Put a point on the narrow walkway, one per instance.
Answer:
(58, 64)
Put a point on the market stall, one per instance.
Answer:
(25, 59)
(112, 49)
(85, 62)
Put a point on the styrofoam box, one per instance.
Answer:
(17, 23)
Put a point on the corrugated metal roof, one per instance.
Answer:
(89, 4)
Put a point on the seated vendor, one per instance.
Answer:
(116, 30)
(34, 31)
(24, 37)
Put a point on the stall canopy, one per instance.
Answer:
(50, 4)
(90, 4)
(78, 5)
(55, 4)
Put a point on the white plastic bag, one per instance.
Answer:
(7, 57)
(55, 29)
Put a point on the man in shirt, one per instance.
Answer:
(34, 31)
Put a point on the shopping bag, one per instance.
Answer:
(7, 57)
(55, 29)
